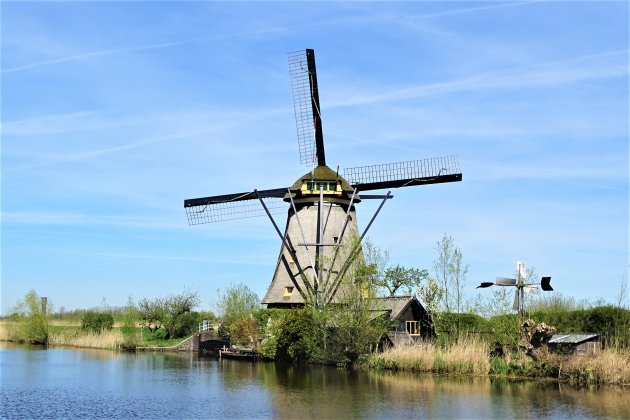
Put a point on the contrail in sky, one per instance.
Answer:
(479, 8)
(97, 53)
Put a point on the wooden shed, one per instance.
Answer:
(578, 344)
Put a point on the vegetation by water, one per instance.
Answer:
(466, 336)
(467, 356)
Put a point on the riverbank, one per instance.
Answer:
(470, 356)
(70, 334)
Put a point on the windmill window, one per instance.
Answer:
(335, 239)
(288, 291)
(321, 186)
(412, 327)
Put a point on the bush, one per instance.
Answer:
(456, 324)
(182, 325)
(505, 329)
(244, 331)
(267, 347)
(296, 339)
(97, 321)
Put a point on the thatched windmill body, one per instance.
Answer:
(316, 250)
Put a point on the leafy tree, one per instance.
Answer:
(178, 320)
(30, 324)
(297, 336)
(96, 322)
(400, 277)
(173, 313)
(237, 302)
(152, 313)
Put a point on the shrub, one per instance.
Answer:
(505, 329)
(267, 347)
(96, 322)
(244, 331)
(296, 339)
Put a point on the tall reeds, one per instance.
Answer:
(468, 355)
(106, 339)
(607, 367)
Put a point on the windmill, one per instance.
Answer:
(520, 285)
(321, 214)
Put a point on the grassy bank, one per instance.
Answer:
(68, 333)
(467, 356)
(471, 356)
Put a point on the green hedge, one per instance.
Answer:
(611, 323)
(97, 321)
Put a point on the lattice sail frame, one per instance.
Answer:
(235, 210)
(411, 170)
(303, 106)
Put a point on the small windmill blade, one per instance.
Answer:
(545, 284)
(220, 208)
(404, 174)
(485, 284)
(308, 121)
(504, 281)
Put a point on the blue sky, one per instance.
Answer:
(113, 113)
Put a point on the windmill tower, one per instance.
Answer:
(321, 217)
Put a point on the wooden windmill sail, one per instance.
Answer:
(321, 214)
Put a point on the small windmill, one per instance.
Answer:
(321, 213)
(520, 285)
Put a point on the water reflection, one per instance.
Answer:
(87, 384)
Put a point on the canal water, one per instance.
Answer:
(71, 383)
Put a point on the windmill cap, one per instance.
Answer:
(324, 173)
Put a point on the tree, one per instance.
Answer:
(151, 313)
(236, 308)
(431, 295)
(173, 313)
(95, 322)
(399, 277)
(238, 301)
(450, 272)
(179, 319)
(30, 323)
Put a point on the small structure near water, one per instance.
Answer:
(578, 344)
(410, 319)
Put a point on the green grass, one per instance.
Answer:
(154, 340)
(148, 339)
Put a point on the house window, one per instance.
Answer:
(412, 328)
(288, 291)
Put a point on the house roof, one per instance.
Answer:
(571, 338)
(395, 305)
